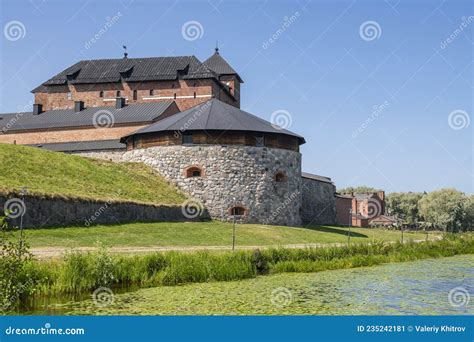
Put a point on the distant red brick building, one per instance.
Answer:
(359, 209)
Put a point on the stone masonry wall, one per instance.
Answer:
(111, 155)
(55, 211)
(233, 176)
(319, 202)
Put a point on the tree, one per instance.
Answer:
(357, 189)
(468, 223)
(404, 204)
(444, 209)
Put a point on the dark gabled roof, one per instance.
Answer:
(220, 66)
(145, 112)
(214, 115)
(130, 69)
(316, 177)
(80, 146)
(139, 69)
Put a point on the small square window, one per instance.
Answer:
(259, 141)
(187, 139)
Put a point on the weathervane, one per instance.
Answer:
(217, 46)
(125, 54)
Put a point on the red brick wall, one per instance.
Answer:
(234, 84)
(65, 135)
(188, 94)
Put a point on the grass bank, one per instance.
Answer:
(212, 233)
(79, 272)
(59, 174)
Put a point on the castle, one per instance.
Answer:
(182, 117)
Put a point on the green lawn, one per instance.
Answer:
(52, 173)
(213, 233)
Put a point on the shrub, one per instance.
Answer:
(14, 283)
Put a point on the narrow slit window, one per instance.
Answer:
(237, 211)
(194, 171)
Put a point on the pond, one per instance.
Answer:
(429, 287)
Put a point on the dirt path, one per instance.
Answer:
(51, 252)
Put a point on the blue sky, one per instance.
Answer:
(374, 105)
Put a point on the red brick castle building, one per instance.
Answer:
(136, 92)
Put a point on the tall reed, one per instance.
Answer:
(76, 272)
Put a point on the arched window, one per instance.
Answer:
(280, 177)
(152, 92)
(118, 93)
(194, 171)
(101, 93)
(238, 210)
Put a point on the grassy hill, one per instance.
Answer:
(52, 173)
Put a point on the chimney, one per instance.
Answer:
(119, 102)
(78, 106)
(381, 195)
(37, 109)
